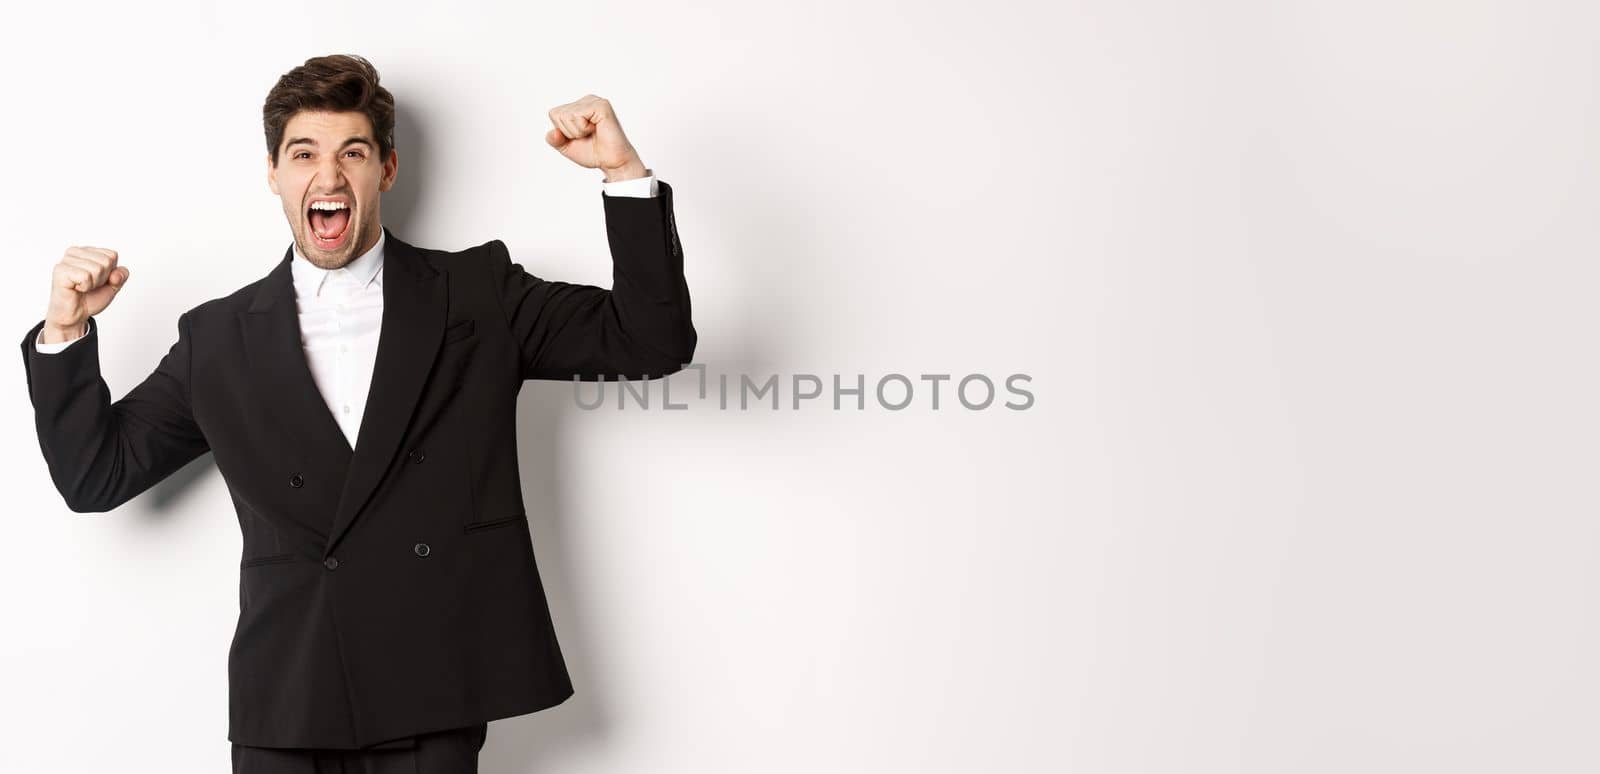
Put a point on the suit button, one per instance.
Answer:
(422, 549)
(415, 456)
(296, 481)
(331, 563)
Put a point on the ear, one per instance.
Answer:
(391, 170)
(272, 174)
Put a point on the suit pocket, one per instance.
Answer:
(458, 331)
(273, 559)
(455, 352)
(505, 521)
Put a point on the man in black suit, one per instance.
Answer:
(359, 401)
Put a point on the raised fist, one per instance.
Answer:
(587, 132)
(81, 285)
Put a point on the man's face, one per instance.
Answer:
(331, 157)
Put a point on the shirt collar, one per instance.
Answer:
(310, 279)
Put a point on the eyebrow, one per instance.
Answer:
(313, 143)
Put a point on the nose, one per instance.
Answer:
(329, 177)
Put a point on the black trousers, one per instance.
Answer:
(442, 752)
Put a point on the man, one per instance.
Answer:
(359, 402)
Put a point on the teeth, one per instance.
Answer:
(330, 206)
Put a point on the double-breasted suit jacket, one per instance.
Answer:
(390, 589)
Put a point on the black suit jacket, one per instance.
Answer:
(388, 590)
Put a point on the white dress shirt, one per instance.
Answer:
(341, 313)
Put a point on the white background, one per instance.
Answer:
(1305, 291)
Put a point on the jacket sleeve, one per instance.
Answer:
(639, 329)
(101, 454)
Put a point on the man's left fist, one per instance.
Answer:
(587, 132)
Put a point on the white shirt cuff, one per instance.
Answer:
(642, 187)
(54, 347)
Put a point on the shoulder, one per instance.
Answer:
(470, 258)
(225, 306)
(476, 259)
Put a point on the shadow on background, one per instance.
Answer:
(770, 226)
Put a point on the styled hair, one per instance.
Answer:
(335, 83)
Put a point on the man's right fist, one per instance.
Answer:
(82, 285)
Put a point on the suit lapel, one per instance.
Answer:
(414, 303)
(414, 306)
(277, 361)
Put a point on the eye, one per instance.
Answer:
(359, 154)
(301, 153)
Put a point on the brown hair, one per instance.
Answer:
(335, 83)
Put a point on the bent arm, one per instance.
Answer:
(639, 329)
(102, 454)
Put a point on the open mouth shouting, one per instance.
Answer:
(329, 218)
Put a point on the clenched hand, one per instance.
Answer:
(587, 132)
(81, 285)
